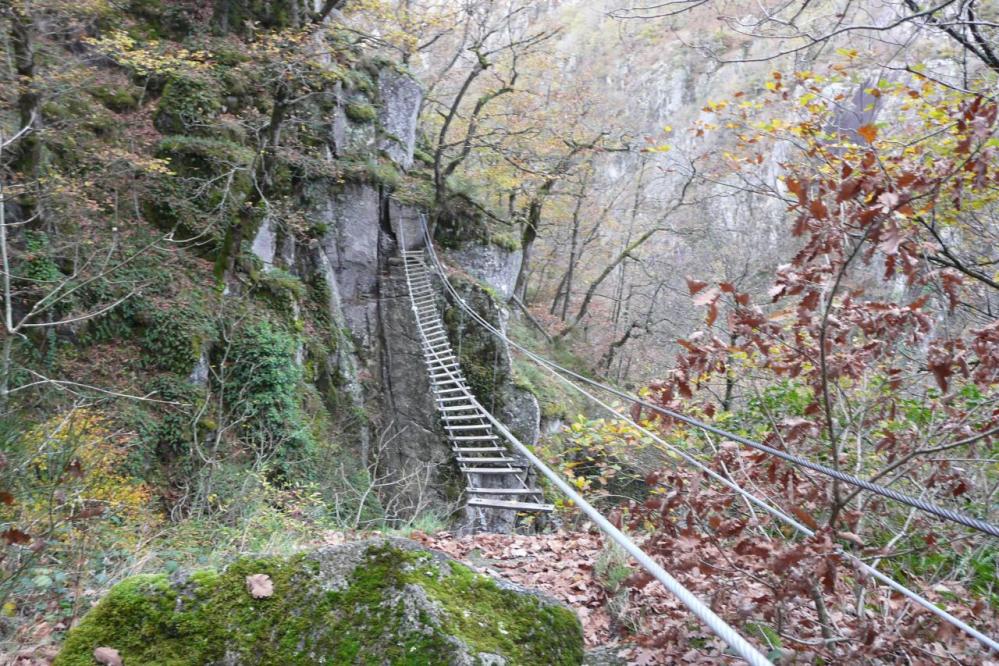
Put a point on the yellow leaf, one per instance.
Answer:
(869, 132)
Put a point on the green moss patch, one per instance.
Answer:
(190, 103)
(361, 113)
(118, 99)
(394, 606)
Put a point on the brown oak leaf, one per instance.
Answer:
(260, 586)
(108, 656)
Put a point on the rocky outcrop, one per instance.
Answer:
(491, 264)
(374, 364)
(369, 602)
(400, 96)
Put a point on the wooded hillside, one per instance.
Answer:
(763, 239)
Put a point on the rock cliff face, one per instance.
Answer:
(369, 602)
(377, 359)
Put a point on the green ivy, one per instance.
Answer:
(38, 266)
(176, 338)
(264, 385)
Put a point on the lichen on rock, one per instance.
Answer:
(383, 601)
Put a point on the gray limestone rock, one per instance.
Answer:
(494, 265)
(265, 243)
(406, 225)
(350, 244)
(400, 105)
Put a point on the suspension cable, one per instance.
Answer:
(555, 369)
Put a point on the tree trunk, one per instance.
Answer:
(592, 290)
(28, 150)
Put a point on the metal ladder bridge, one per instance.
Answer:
(494, 478)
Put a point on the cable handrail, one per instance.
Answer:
(554, 369)
(702, 611)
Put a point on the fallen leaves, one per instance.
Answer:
(15, 536)
(107, 656)
(260, 586)
(560, 564)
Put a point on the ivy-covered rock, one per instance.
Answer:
(369, 602)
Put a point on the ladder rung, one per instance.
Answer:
(445, 376)
(455, 399)
(491, 461)
(504, 491)
(512, 506)
(484, 426)
(459, 408)
(491, 470)
(476, 449)
(476, 438)
(458, 389)
(441, 359)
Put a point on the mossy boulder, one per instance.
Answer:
(370, 602)
(190, 104)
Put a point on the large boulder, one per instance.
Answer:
(369, 602)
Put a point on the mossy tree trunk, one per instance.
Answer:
(27, 150)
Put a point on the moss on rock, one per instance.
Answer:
(374, 602)
(190, 104)
(361, 113)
